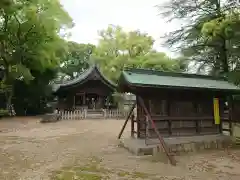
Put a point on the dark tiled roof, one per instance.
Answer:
(81, 79)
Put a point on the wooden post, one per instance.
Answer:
(221, 109)
(230, 114)
(168, 114)
(196, 106)
(147, 125)
(84, 99)
(100, 104)
(162, 142)
(138, 118)
(132, 126)
(126, 121)
(74, 102)
(85, 113)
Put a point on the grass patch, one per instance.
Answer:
(94, 171)
(123, 174)
(77, 176)
(64, 175)
(90, 171)
(140, 175)
(94, 168)
(134, 175)
(88, 176)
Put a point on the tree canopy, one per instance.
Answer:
(34, 51)
(31, 35)
(209, 36)
(76, 59)
(118, 49)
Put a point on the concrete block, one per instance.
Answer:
(176, 144)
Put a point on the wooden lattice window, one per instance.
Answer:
(158, 107)
(205, 108)
(182, 108)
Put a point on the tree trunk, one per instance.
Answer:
(224, 58)
(9, 106)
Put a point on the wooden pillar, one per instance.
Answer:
(74, 102)
(196, 107)
(100, 101)
(132, 125)
(84, 98)
(168, 104)
(69, 101)
(230, 114)
(147, 126)
(221, 112)
(139, 114)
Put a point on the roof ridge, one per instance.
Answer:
(101, 73)
(172, 74)
(85, 74)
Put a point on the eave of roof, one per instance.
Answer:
(82, 79)
(158, 79)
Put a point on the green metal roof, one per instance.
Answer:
(83, 77)
(152, 78)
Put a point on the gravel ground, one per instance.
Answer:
(30, 150)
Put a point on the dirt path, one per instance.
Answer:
(30, 150)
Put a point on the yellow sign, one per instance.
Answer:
(216, 110)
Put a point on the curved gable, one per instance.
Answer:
(93, 73)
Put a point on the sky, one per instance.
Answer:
(90, 16)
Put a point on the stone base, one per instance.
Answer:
(48, 118)
(176, 144)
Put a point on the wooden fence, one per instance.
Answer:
(85, 114)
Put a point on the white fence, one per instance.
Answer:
(85, 114)
(112, 114)
(73, 115)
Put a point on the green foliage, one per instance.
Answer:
(29, 36)
(209, 34)
(31, 98)
(3, 112)
(33, 51)
(95, 170)
(118, 49)
(76, 59)
(218, 27)
(30, 40)
(223, 26)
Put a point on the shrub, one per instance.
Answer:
(3, 112)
